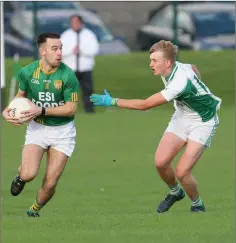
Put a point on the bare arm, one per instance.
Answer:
(153, 101)
(68, 109)
(196, 71)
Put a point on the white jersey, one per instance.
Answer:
(192, 98)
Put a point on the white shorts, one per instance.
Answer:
(198, 131)
(61, 138)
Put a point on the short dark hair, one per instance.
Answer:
(42, 38)
(79, 17)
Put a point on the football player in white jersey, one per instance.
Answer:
(192, 125)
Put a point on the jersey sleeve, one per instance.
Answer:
(71, 90)
(184, 65)
(23, 82)
(176, 88)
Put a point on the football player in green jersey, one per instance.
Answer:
(192, 126)
(52, 88)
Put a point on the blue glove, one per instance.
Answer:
(103, 100)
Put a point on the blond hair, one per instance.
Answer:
(170, 50)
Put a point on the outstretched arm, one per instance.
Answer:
(132, 104)
(153, 101)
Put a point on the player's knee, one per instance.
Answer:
(161, 163)
(27, 175)
(181, 174)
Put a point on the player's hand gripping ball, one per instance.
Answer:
(17, 106)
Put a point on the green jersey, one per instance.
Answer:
(49, 89)
(192, 98)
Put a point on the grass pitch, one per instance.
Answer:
(110, 189)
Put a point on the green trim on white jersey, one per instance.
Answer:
(208, 142)
(198, 98)
(173, 71)
(190, 93)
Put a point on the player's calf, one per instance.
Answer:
(45, 194)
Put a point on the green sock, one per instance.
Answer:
(197, 202)
(35, 208)
(175, 189)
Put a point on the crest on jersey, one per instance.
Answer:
(58, 84)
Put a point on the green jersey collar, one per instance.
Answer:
(50, 72)
(172, 73)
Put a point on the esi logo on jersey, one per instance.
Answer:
(34, 81)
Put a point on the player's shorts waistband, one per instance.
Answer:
(34, 123)
(194, 116)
